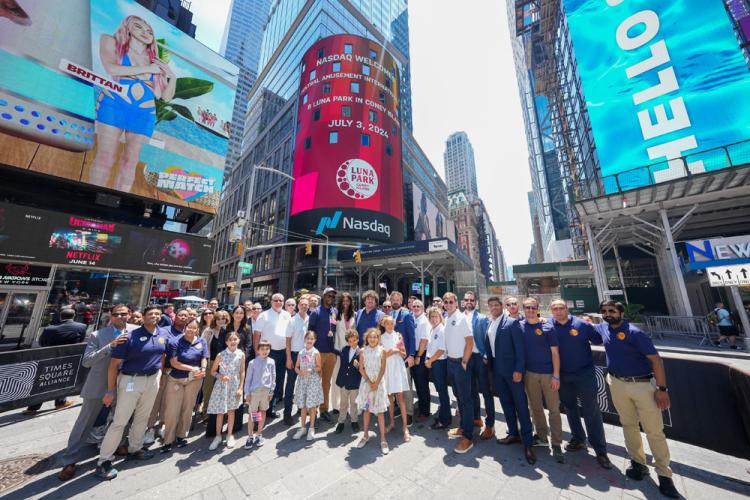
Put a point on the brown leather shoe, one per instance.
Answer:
(487, 433)
(67, 472)
(121, 451)
(456, 432)
(530, 456)
(478, 422)
(463, 445)
(509, 439)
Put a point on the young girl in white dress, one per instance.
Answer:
(396, 378)
(372, 397)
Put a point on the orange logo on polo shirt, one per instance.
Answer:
(538, 331)
(162, 340)
(573, 332)
(621, 335)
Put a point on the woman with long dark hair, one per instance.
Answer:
(215, 336)
(238, 323)
(344, 322)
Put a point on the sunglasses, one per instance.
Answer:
(387, 307)
(531, 308)
(119, 315)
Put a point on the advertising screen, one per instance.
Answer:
(429, 223)
(104, 92)
(347, 156)
(662, 80)
(34, 235)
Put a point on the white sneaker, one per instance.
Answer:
(310, 434)
(215, 443)
(300, 432)
(149, 437)
(230, 441)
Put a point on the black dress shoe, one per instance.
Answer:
(271, 415)
(666, 487)
(530, 456)
(603, 460)
(355, 426)
(509, 439)
(636, 471)
(575, 445)
(288, 420)
(166, 448)
(339, 428)
(325, 416)
(181, 442)
(335, 412)
(438, 426)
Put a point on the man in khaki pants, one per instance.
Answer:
(542, 380)
(133, 378)
(638, 385)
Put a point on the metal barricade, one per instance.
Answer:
(681, 327)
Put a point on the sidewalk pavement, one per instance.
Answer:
(331, 467)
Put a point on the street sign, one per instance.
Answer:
(247, 267)
(729, 275)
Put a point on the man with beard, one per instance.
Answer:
(638, 384)
(323, 322)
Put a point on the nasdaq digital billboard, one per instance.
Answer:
(105, 92)
(348, 181)
(662, 80)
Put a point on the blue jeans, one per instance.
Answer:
(480, 382)
(422, 385)
(291, 378)
(279, 357)
(515, 406)
(461, 381)
(439, 375)
(582, 385)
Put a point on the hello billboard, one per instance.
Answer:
(348, 181)
(106, 93)
(662, 80)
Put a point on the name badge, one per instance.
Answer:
(143, 339)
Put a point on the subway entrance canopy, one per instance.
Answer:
(426, 261)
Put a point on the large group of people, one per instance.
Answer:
(334, 362)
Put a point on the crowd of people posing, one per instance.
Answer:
(334, 362)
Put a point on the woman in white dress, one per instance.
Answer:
(396, 378)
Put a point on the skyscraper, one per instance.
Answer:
(175, 12)
(460, 169)
(241, 44)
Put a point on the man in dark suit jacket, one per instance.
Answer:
(506, 355)
(66, 332)
(348, 380)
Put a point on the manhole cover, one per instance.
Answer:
(18, 470)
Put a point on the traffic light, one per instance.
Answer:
(239, 249)
(308, 248)
(357, 257)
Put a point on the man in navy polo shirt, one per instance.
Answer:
(323, 323)
(638, 385)
(133, 378)
(578, 381)
(369, 316)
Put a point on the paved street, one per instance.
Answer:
(331, 467)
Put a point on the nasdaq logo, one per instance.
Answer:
(328, 222)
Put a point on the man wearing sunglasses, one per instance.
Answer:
(638, 385)
(506, 356)
(459, 343)
(542, 381)
(578, 381)
(511, 307)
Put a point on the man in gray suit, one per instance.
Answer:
(96, 358)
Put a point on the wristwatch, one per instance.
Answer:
(662, 388)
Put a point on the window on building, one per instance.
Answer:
(321, 52)
(388, 149)
(304, 98)
(365, 139)
(381, 98)
(373, 54)
(333, 137)
(347, 48)
(388, 82)
(365, 70)
(346, 111)
(312, 75)
(354, 87)
(316, 115)
(336, 67)
(373, 115)
(326, 88)
(308, 142)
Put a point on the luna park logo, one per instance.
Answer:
(357, 179)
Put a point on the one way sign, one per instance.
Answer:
(729, 275)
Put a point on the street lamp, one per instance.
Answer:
(248, 208)
(325, 273)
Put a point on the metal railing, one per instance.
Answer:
(681, 327)
(731, 155)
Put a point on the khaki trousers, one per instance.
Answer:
(538, 391)
(348, 402)
(208, 387)
(635, 404)
(157, 412)
(328, 362)
(136, 403)
(179, 400)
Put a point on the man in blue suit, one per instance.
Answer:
(406, 327)
(480, 372)
(506, 355)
